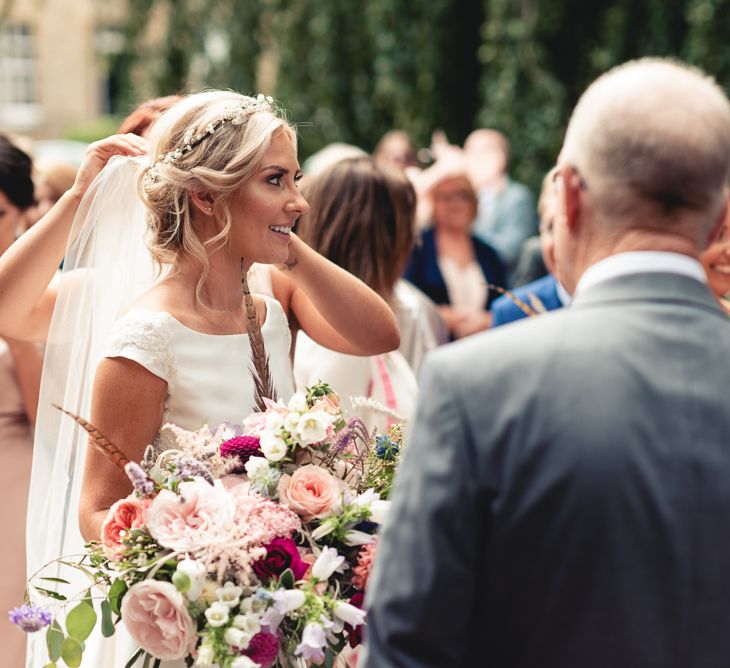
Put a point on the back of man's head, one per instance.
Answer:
(651, 139)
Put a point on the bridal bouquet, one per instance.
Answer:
(240, 547)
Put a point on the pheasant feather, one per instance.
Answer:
(263, 382)
(527, 310)
(98, 440)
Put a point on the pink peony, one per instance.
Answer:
(365, 558)
(263, 649)
(157, 618)
(200, 515)
(310, 492)
(124, 515)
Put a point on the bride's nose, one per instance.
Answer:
(298, 204)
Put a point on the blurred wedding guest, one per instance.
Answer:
(506, 214)
(396, 150)
(53, 178)
(142, 117)
(20, 369)
(546, 293)
(450, 264)
(361, 218)
(563, 501)
(716, 261)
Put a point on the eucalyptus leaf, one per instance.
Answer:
(116, 593)
(80, 621)
(71, 653)
(54, 641)
(107, 625)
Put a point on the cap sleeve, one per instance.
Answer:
(144, 337)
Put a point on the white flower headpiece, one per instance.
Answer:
(235, 115)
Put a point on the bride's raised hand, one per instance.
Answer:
(100, 152)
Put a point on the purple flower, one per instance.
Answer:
(189, 467)
(141, 483)
(30, 618)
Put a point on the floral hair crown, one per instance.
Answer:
(235, 116)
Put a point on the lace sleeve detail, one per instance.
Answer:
(144, 337)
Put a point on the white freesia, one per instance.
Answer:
(217, 614)
(256, 466)
(205, 656)
(273, 447)
(229, 594)
(379, 511)
(327, 563)
(323, 530)
(298, 402)
(365, 499)
(196, 574)
(286, 600)
(348, 613)
(237, 638)
(313, 426)
(354, 537)
(244, 662)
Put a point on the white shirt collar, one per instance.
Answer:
(563, 295)
(640, 262)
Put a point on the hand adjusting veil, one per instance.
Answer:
(106, 266)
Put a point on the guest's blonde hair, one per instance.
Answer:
(217, 165)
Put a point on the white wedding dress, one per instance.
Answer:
(209, 381)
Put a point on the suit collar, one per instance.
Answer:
(653, 286)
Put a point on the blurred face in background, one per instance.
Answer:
(454, 204)
(11, 216)
(716, 261)
(486, 156)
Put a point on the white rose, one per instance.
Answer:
(312, 427)
(273, 447)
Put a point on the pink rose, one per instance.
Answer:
(310, 492)
(157, 618)
(124, 515)
(200, 515)
(329, 404)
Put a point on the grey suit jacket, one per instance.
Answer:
(564, 501)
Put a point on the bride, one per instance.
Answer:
(220, 193)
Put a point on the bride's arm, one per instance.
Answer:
(332, 306)
(27, 296)
(127, 406)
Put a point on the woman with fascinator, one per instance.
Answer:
(134, 348)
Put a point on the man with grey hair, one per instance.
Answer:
(564, 498)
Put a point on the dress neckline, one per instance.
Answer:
(216, 336)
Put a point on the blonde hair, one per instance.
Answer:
(217, 165)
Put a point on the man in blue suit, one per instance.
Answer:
(546, 293)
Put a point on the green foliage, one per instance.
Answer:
(351, 71)
(80, 621)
